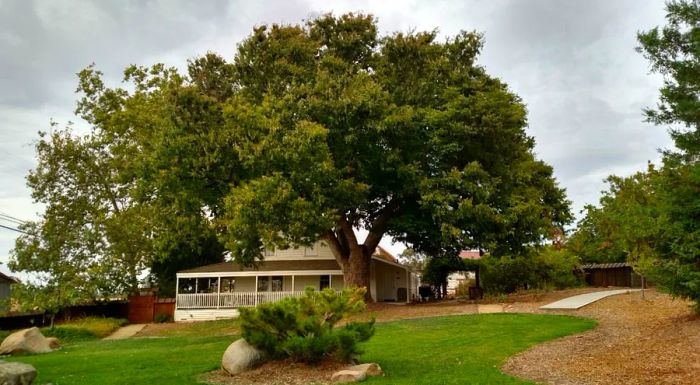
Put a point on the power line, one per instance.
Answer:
(10, 218)
(13, 229)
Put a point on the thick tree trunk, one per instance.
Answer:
(357, 273)
(353, 258)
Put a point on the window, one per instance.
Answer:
(186, 285)
(278, 283)
(325, 282)
(228, 285)
(263, 283)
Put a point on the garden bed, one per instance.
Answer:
(284, 372)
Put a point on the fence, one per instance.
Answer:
(231, 300)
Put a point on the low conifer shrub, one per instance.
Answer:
(304, 328)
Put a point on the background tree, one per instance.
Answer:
(674, 52)
(414, 260)
(91, 240)
(626, 226)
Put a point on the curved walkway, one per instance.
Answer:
(579, 301)
(124, 332)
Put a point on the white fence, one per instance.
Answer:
(230, 300)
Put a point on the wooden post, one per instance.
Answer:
(218, 293)
(330, 281)
(293, 284)
(255, 302)
(177, 289)
(408, 286)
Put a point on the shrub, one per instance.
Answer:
(162, 318)
(303, 328)
(462, 289)
(547, 268)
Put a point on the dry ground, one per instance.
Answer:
(650, 341)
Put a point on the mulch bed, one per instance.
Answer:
(650, 341)
(285, 372)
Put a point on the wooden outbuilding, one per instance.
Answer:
(611, 274)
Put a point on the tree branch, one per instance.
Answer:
(340, 253)
(376, 232)
(348, 232)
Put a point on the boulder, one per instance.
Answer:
(345, 376)
(16, 373)
(241, 356)
(53, 343)
(25, 341)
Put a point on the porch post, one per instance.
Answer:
(293, 284)
(256, 291)
(196, 285)
(330, 281)
(177, 289)
(218, 293)
(408, 287)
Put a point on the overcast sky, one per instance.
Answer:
(572, 62)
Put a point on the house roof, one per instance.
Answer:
(382, 253)
(8, 278)
(470, 254)
(286, 265)
(613, 265)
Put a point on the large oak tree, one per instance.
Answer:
(316, 130)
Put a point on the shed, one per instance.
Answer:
(611, 274)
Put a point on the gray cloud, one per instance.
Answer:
(572, 62)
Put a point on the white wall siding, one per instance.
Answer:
(184, 315)
(319, 251)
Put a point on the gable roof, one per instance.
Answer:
(8, 278)
(382, 253)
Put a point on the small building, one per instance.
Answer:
(6, 283)
(217, 290)
(619, 274)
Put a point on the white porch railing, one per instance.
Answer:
(230, 300)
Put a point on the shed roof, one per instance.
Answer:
(612, 265)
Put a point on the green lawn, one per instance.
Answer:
(448, 350)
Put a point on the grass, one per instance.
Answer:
(83, 329)
(446, 350)
(222, 327)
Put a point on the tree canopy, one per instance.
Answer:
(315, 130)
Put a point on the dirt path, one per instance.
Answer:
(125, 332)
(652, 341)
